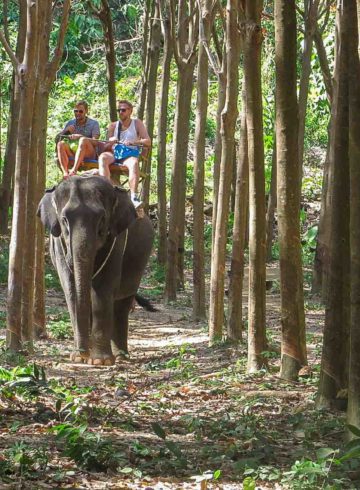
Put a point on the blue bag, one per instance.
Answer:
(122, 151)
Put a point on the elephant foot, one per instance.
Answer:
(79, 357)
(96, 361)
(122, 356)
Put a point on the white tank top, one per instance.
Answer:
(129, 133)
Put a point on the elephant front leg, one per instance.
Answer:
(102, 325)
(119, 341)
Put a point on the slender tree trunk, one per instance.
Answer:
(104, 15)
(27, 331)
(154, 54)
(228, 122)
(334, 369)
(293, 345)
(21, 263)
(257, 238)
(353, 414)
(199, 173)
(149, 9)
(162, 133)
(217, 150)
(321, 259)
(311, 13)
(178, 180)
(47, 73)
(271, 206)
(184, 53)
(235, 323)
(10, 152)
(199, 309)
(324, 64)
(110, 56)
(27, 91)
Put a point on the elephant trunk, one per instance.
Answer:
(83, 256)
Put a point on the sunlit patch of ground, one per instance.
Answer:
(213, 416)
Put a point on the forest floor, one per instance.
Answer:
(178, 414)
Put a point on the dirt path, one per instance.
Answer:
(177, 413)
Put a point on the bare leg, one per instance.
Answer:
(86, 149)
(105, 160)
(64, 152)
(132, 163)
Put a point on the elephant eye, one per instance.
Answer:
(102, 227)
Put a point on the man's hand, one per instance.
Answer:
(75, 136)
(72, 171)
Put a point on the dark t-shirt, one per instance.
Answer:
(90, 129)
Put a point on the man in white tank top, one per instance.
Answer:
(133, 133)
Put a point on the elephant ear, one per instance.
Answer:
(123, 213)
(47, 213)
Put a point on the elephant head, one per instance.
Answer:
(84, 215)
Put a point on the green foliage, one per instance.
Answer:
(60, 327)
(52, 279)
(23, 460)
(88, 449)
(2, 319)
(28, 380)
(4, 261)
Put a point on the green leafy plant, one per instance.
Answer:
(88, 449)
(28, 380)
(249, 483)
(23, 460)
(170, 445)
(60, 328)
(2, 319)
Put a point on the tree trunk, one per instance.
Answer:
(178, 179)
(334, 369)
(324, 64)
(293, 344)
(321, 259)
(235, 323)
(257, 239)
(217, 150)
(27, 84)
(199, 308)
(311, 12)
(10, 152)
(271, 206)
(353, 414)
(110, 56)
(21, 267)
(228, 122)
(154, 54)
(184, 53)
(162, 133)
(149, 9)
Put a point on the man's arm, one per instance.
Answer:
(95, 133)
(110, 132)
(68, 129)
(143, 135)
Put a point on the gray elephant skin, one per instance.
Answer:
(100, 249)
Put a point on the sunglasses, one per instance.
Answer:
(121, 110)
(80, 111)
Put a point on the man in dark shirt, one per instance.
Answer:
(81, 130)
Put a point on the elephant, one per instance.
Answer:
(100, 249)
